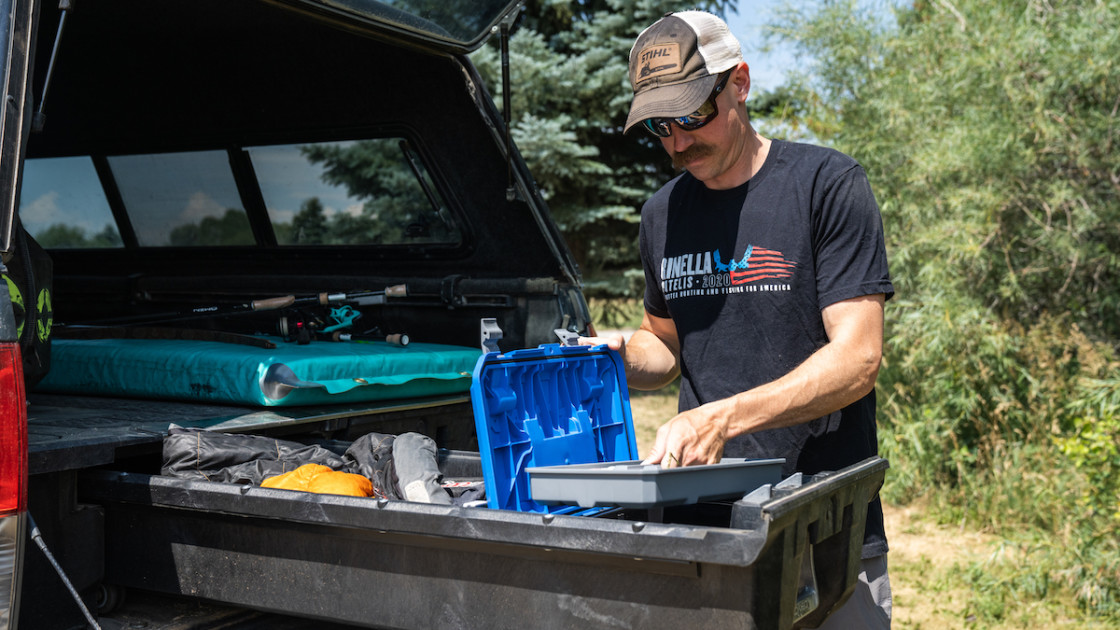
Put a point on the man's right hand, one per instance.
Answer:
(650, 354)
(614, 341)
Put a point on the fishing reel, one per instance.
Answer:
(335, 324)
(298, 327)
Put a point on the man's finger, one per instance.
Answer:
(614, 342)
(657, 453)
(671, 461)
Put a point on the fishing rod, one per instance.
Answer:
(360, 298)
(396, 339)
(363, 298)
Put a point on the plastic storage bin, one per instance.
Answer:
(548, 406)
(632, 485)
(555, 431)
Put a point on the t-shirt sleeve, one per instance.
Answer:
(654, 298)
(848, 243)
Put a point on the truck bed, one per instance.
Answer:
(74, 432)
(780, 557)
(753, 563)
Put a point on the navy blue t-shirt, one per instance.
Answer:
(744, 274)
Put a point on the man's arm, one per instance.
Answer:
(838, 374)
(651, 356)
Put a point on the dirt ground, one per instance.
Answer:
(923, 562)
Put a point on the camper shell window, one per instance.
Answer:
(355, 192)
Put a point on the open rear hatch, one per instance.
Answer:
(275, 171)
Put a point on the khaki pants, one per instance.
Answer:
(870, 604)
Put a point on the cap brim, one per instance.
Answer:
(679, 99)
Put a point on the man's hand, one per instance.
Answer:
(694, 437)
(614, 341)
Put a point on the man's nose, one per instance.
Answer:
(678, 139)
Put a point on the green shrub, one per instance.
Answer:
(1093, 446)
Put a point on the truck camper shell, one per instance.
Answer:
(301, 173)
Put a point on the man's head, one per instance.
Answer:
(676, 63)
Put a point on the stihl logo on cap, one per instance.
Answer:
(658, 60)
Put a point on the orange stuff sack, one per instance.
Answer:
(321, 479)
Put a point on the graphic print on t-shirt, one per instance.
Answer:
(704, 273)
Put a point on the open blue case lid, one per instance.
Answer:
(548, 406)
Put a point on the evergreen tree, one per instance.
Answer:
(570, 96)
(309, 226)
(395, 208)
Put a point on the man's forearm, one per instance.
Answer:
(836, 375)
(831, 379)
(650, 363)
(840, 373)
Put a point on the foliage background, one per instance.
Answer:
(989, 129)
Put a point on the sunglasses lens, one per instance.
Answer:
(693, 121)
(701, 116)
(657, 126)
(661, 127)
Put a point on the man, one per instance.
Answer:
(766, 277)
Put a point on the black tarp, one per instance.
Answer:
(401, 467)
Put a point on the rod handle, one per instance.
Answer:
(271, 304)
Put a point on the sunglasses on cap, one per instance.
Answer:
(662, 127)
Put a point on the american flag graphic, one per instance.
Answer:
(761, 264)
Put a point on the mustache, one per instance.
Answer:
(691, 153)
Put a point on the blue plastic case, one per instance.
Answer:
(548, 406)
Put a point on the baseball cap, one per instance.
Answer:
(675, 63)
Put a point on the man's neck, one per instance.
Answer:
(753, 152)
(755, 149)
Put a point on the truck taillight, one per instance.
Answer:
(13, 432)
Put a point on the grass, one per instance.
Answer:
(615, 313)
(650, 411)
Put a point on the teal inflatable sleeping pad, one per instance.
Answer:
(286, 375)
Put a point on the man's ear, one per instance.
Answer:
(741, 81)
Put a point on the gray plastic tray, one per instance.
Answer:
(630, 484)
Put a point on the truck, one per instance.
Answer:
(314, 175)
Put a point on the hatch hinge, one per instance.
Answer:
(507, 116)
(39, 118)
